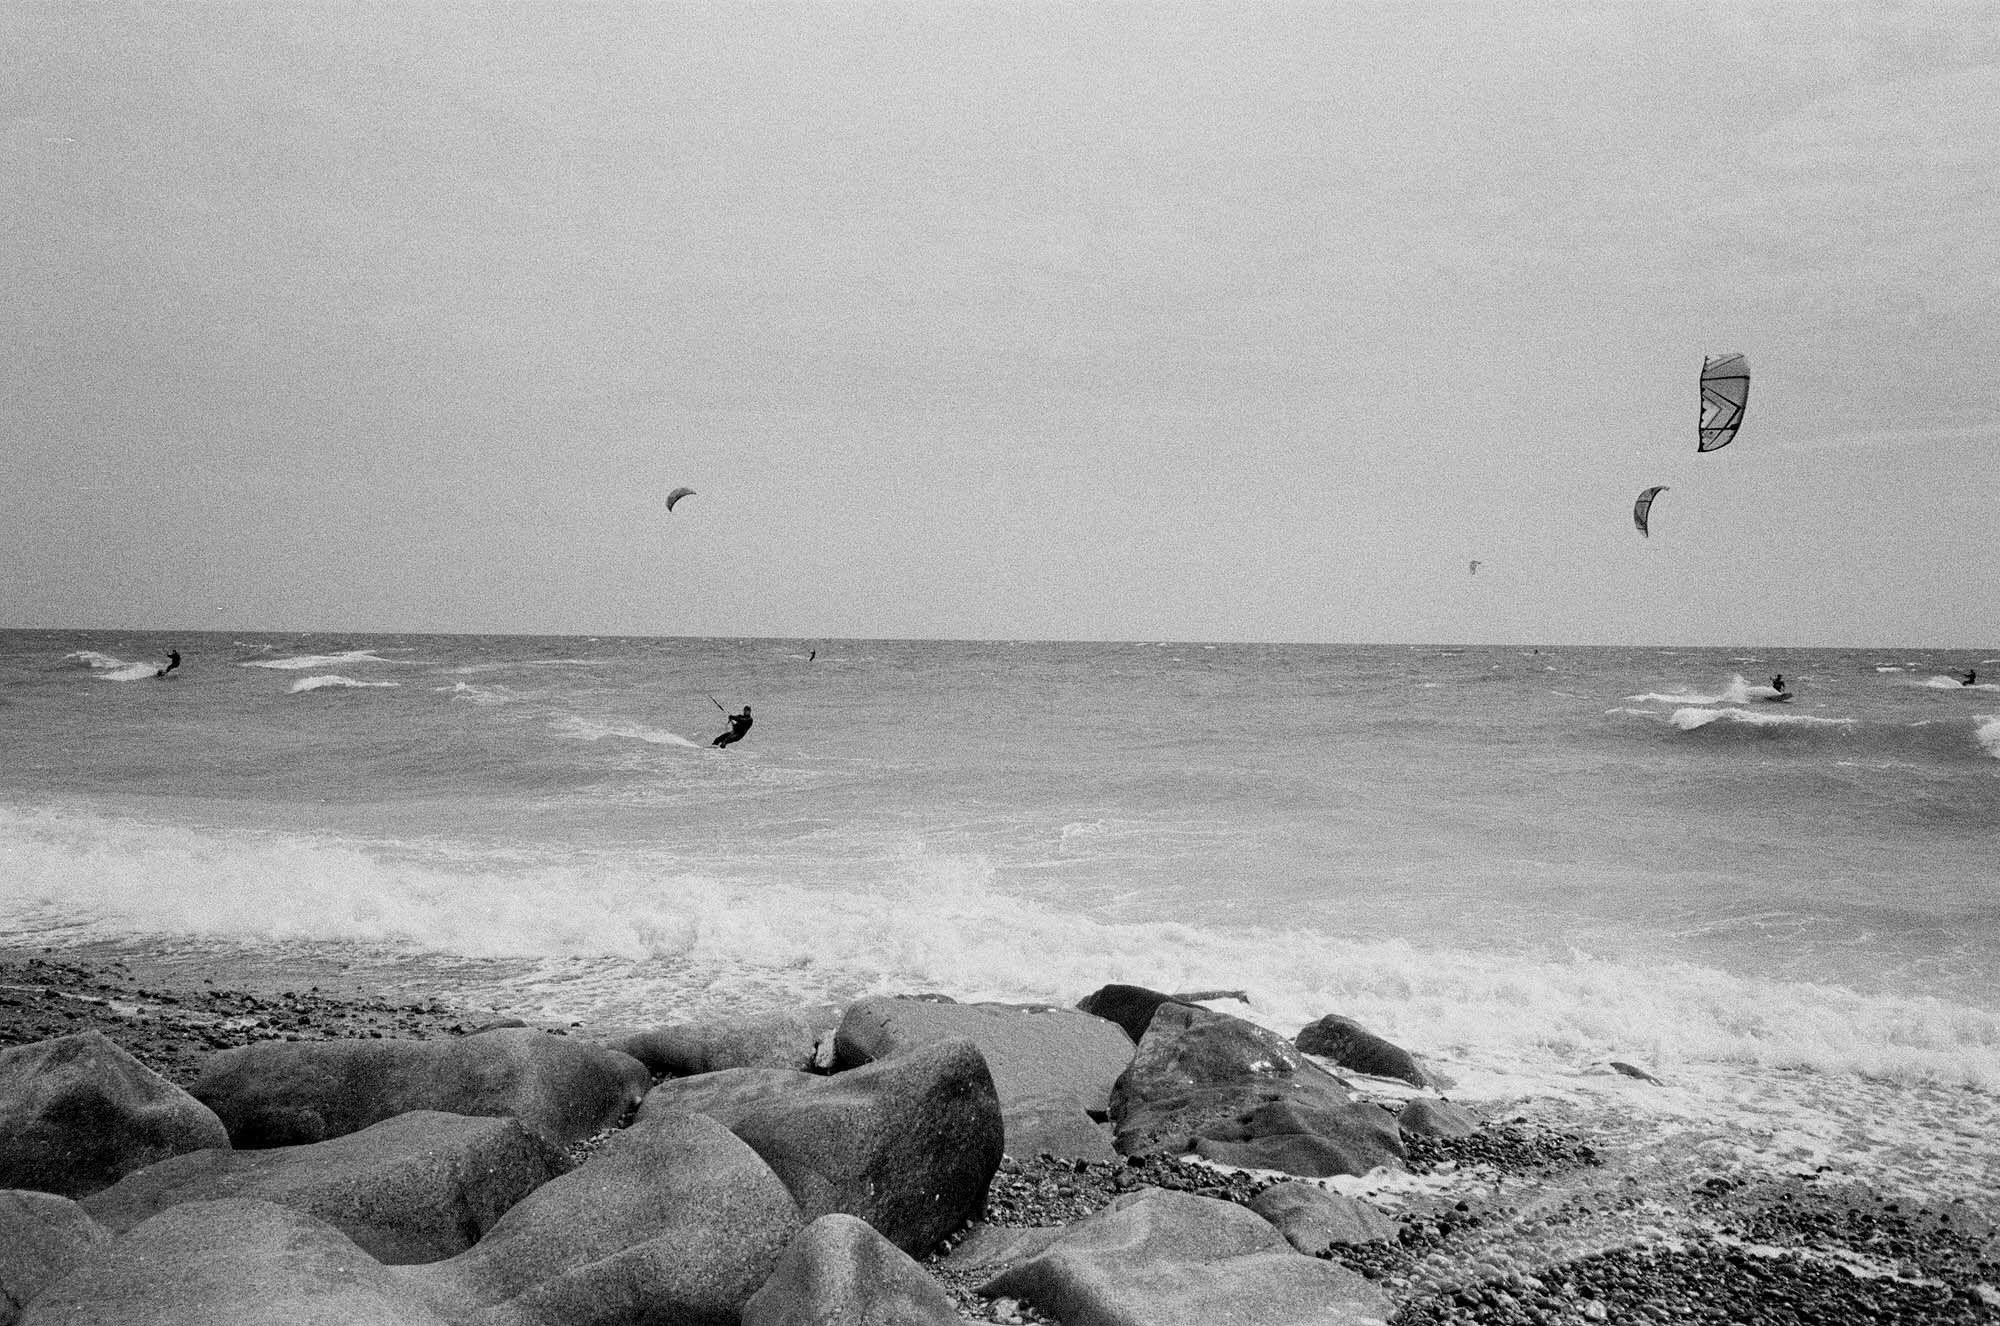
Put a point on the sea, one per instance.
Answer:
(1524, 863)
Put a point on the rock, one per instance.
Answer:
(1311, 1218)
(721, 1093)
(1175, 1259)
(286, 1093)
(908, 1144)
(1633, 1070)
(1050, 1066)
(231, 1263)
(41, 1237)
(78, 1113)
(780, 1040)
(1130, 1006)
(1055, 1128)
(1210, 1083)
(1359, 1050)
(420, 1187)
(840, 1272)
(992, 1247)
(1423, 1116)
(674, 1220)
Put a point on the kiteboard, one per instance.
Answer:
(1779, 698)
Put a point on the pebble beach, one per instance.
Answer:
(1526, 1220)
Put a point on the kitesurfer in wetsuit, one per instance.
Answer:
(1778, 682)
(738, 725)
(1971, 675)
(173, 661)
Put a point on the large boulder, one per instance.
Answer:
(674, 1220)
(41, 1237)
(1426, 1116)
(1209, 1082)
(286, 1093)
(840, 1272)
(1313, 1219)
(419, 1187)
(1359, 1050)
(1130, 1006)
(1313, 1140)
(78, 1113)
(720, 1093)
(775, 1040)
(1052, 1067)
(1175, 1259)
(908, 1144)
(231, 1263)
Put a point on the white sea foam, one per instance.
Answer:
(1688, 719)
(304, 661)
(108, 668)
(578, 728)
(1738, 691)
(1989, 734)
(471, 694)
(650, 927)
(318, 683)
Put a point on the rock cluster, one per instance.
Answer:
(899, 1162)
(780, 1170)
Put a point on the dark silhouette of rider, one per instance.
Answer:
(1971, 675)
(1778, 682)
(738, 725)
(173, 661)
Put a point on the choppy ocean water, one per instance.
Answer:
(1524, 863)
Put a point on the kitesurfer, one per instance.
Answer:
(1971, 675)
(173, 661)
(738, 725)
(1778, 682)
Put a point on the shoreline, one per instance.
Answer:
(1528, 1211)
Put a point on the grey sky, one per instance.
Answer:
(1229, 321)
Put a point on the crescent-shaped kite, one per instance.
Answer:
(676, 495)
(1644, 505)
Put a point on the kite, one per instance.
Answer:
(1725, 390)
(676, 495)
(1475, 568)
(1644, 505)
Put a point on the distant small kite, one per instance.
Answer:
(676, 495)
(1644, 506)
(1475, 568)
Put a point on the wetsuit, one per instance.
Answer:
(738, 725)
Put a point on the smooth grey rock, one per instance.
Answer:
(908, 1144)
(1173, 1259)
(1051, 1066)
(77, 1113)
(1130, 1006)
(721, 1092)
(674, 1221)
(1311, 1218)
(777, 1040)
(1314, 1140)
(230, 1263)
(420, 1187)
(840, 1272)
(41, 1237)
(991, 1248)
(1359, 1050)
(1423, 1116)
(287, 1093)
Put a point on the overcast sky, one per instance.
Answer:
(1208, 321)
